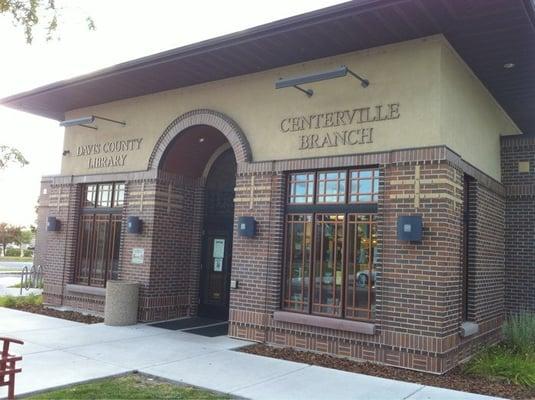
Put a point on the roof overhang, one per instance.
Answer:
(486, 33)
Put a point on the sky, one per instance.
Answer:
(125, 29)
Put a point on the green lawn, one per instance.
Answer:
(133, 386)
(18, 285)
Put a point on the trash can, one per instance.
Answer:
(121, 303)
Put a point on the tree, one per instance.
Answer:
(10, 155)
(29, 13)
(6, 237)
(21, 237)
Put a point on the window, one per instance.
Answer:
(299, 258)
(331, 187)
(99, 233)
(301, 188)
(360, 271)
(364, 186)
(331, 243)
(328, 264)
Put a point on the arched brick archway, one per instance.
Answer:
(215, 119)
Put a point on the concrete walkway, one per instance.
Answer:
(8, 280)
(59, 352)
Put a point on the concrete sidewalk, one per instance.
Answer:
(8, 280)
(59, 352)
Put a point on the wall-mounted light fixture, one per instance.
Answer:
(134, 225)
(53, 224)
(85, 121)
(339, 72)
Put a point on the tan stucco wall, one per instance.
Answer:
(471, 121)
(408, 74)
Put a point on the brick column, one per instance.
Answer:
(171, 209)
(58, 260)
(257, 261)
(518, 176)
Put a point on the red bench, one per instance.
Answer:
(7, 366)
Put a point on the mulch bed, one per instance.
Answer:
(69, 315)
(454, 379)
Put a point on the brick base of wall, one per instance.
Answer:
(388, 348)
(93, 304)
(162, 308)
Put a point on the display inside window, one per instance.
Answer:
(331, 243)
(361, 274)
(298, 262)
(99, 235)
(98, 249)
(328, 264)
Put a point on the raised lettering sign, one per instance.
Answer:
(351, 126)
(108, 154)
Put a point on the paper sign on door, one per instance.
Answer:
(219, 248)
(218, 264)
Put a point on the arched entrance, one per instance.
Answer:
(217, 236)
(203, 152)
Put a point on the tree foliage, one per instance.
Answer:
(15, 234)
(10, 155)
(30, 13)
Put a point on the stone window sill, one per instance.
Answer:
(365, 328)
(94, 291)
(469, 329)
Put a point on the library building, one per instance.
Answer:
(357, 181)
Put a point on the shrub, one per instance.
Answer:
(15, 302)
(11, 252)
(519, 333)
(501, 362)
(7, 301)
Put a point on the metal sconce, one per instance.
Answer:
(53, 224)
(84, 121)
(134, 225)
(339, 72)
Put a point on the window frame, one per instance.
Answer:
(86, 242)
(315, 208)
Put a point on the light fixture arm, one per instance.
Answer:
(84, 121)
(363, 81)
(88, 126)
(109, 120)
(308, 92)
(339, 72)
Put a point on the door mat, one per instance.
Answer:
(186, 323)
(211, 331)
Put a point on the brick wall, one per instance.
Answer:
(171, 209)
(486, 299)
(517, 154)
(58, 257)
(419, 285)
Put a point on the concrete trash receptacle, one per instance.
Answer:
(121, 303)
